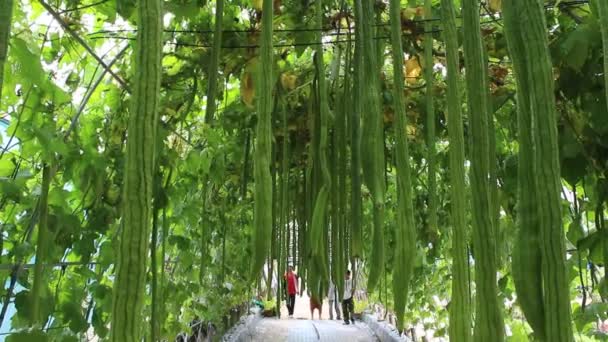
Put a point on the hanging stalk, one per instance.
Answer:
(319, 216)
(488, 319)
(224, 233)
(215, 60)
(335, 224)
(274, 243)
(460, 308)
(603, 19)
(335, 162)
(246, 166)
(373, 143)
(263, 183)
(283, 202)
(154, 324)
(303, 228)
(341, 128)
(405, 232)
(160, 202)
(493, 176)
(525, 29)
(163, 251)
(203, 228)
(41, 246)
(6, 14)
(356, 237)
(129, 288)
(430, 119)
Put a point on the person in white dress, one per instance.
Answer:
(334, 302)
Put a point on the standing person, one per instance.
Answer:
(292, 288)
(348, 307)
(332, 297)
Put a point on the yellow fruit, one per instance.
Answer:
(257, 4)
(412, 70)
(288, 81)
(247, 89)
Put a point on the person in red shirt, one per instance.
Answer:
(292, 288)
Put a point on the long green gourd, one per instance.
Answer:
(373, 143)
(526, 256)
(6, 14)
(336, 176)
(204, 228)
(303, 224)
(526, 32)
(274, 240)
(334, 222)
(163, 253)
(334, 226)
(460, 306)
(319, 217)
(489, 325)
(493, 175)
(603, 17)
(405, 232)
(430, 118)
(262, 222)
(341, 128)
(129, 287)
(284, 253)
(493, 182)
(215, 60)
(356, 248)
(43, 206)
(154, 286)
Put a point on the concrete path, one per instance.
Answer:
(302, 329)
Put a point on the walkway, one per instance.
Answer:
(302, 329)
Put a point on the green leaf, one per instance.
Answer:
(28, 64)
(576, 48)
(10, 189)
(575, 232)
(72, 313)
(589, 241)
(6, 167)
(28, 336)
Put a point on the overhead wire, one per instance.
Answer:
(107, 34)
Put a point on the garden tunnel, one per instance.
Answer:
(163, 161)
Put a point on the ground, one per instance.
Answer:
(302, 329)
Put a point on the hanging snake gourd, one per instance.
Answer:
(526, 32)
(373, 144)
(341, 128)
(41, 254)
(430, 118)
(262, 200)
(602, 6)
(356, 248)
(460, 307)
(489, 323)
(405, 232)
(319, 219)
(215, 60)
(526, 255)
(129, 287)
(6, 14)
